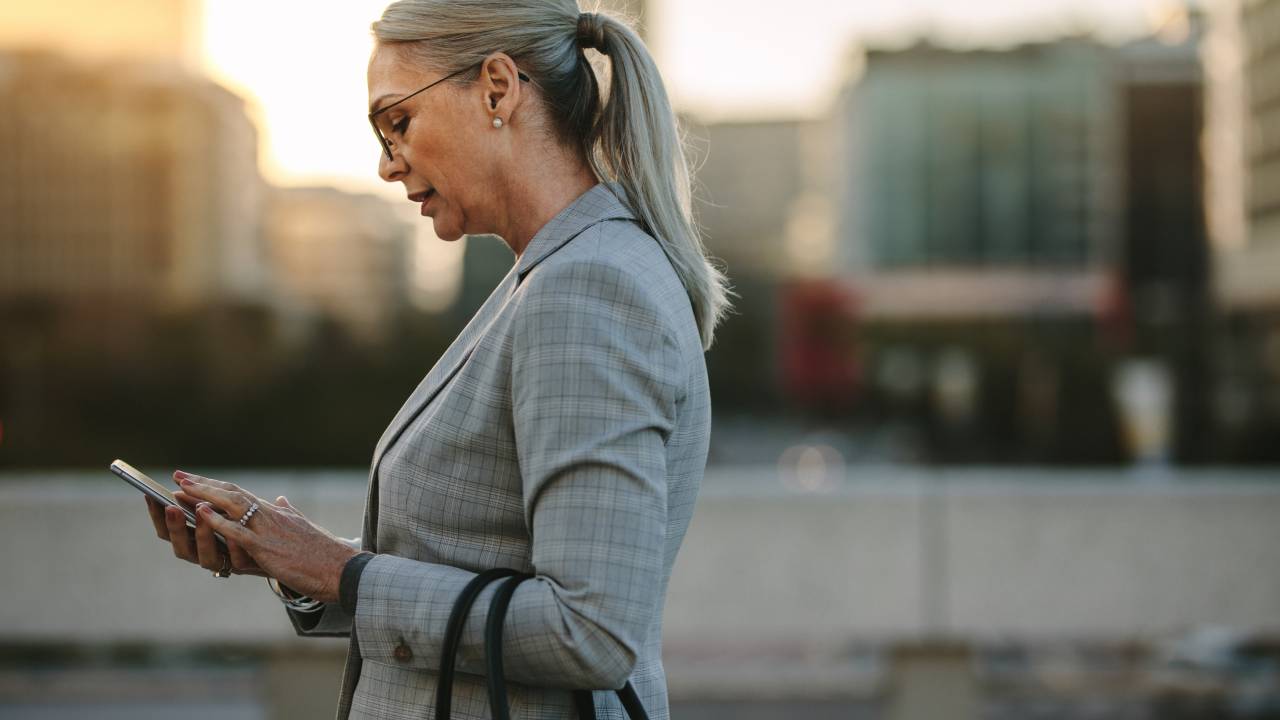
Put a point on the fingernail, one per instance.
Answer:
(181, 473)
(204, 508)
(184, 482)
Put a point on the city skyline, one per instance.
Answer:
(972, 166)
(302, 74)
(317, 66)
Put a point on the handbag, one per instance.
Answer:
(494, 674)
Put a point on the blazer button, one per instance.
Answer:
(402, 652)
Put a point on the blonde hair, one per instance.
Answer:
(632, 137)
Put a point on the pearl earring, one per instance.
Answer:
(497, 122)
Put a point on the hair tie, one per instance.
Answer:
(591, 32)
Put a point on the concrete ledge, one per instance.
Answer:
(879, 555)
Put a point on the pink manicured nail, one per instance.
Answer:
(204, 508)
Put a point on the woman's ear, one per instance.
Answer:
(500, 81)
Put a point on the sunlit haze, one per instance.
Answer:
(304, 74)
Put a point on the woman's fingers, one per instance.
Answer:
(233, 503)
(180, 475)
(157, 518)
(207, 551)
(180, 536)
(232, 530)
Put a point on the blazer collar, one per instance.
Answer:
(602, 202)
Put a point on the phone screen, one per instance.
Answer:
(134, 477)
(157, 492)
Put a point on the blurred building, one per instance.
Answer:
(1252, 275)
(761, 195)
(340, 255)
(993, 174)
(1014, 222)
(126, 180)
(762, 200)
(1242, 61)
(1164, 262)
(485, 261)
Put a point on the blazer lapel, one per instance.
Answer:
(439, 375)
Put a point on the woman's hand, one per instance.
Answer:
(277, 540)
(198, 546)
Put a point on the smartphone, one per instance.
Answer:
(156, 491)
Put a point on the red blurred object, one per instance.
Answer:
(818, 340)
(1114, 311)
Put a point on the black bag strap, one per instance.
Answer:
(496, 676)
(585, 702)
(453, 636)
(493, 647)
(631, 703)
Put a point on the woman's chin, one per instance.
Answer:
(446, 232)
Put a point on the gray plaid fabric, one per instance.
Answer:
(564, 433)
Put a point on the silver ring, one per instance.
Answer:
(244, 520)
(226, 568)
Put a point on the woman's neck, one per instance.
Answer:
(539, 195)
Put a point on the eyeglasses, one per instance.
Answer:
(382, 139)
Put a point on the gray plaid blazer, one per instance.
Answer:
(563, 433)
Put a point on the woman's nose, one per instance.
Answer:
(393, 169)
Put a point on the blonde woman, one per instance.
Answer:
(564, 433)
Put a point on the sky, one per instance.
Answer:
(304, 71)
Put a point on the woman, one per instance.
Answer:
(564, 433)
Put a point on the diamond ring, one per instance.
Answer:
(244, 521)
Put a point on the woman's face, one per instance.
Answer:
(439, 144)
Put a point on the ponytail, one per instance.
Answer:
(635, 140)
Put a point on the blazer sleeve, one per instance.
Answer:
(595, 375)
